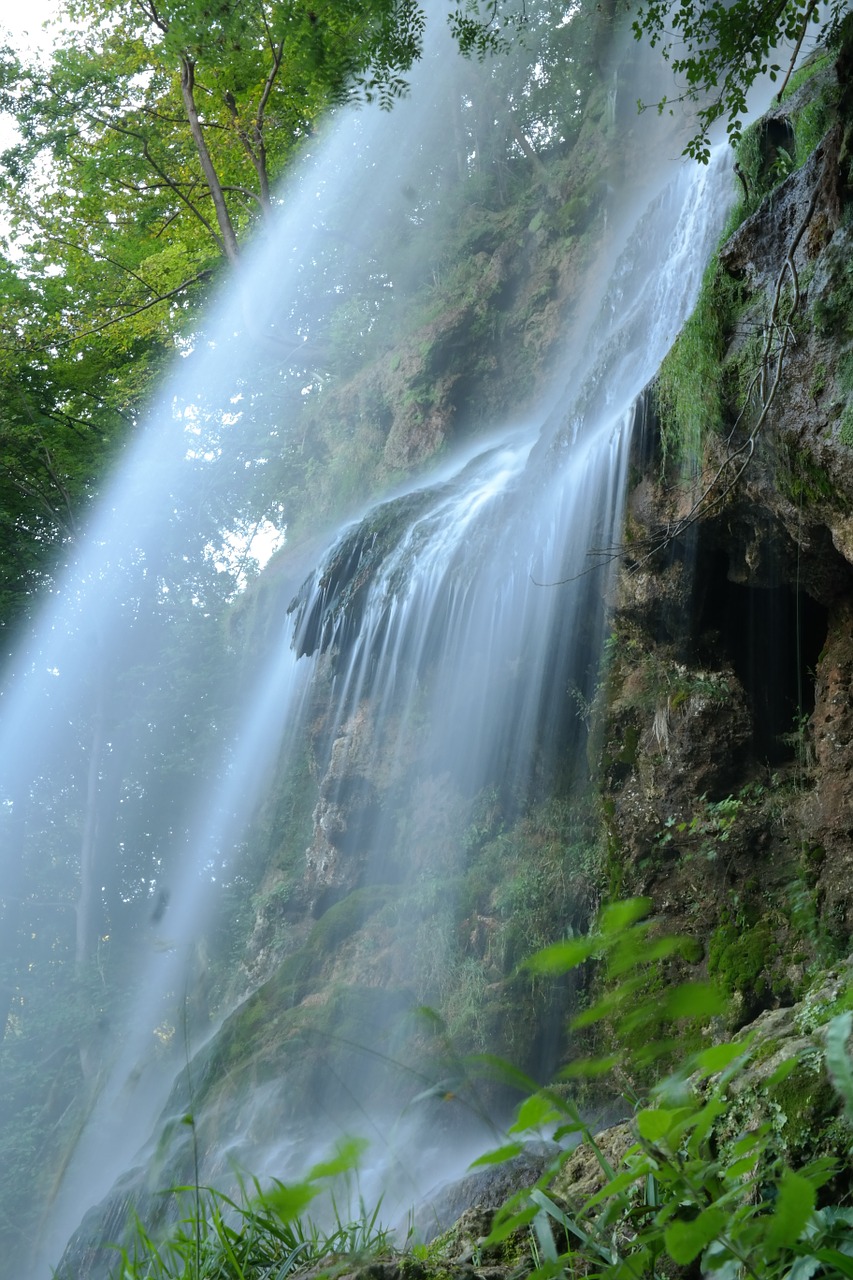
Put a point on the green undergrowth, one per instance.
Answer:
(734, 1164)
(263, 1234)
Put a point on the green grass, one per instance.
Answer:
(263, 1235)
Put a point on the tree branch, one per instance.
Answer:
(146, 306)
(806, 20)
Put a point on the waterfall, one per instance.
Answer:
(453, 630)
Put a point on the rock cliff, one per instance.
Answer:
(729, 751)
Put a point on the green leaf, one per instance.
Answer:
(739, 1169)
(804, 1269)
(841, 1261)
(562, 956)
(614, 1187)
(627, 954)
(705, 1120)
(289, 1203)
(499, 1155)
(573, 1126)
(819, 1172)
(348, 1153)
(609, 1004)
(545, 1237)
(693, 1000)
(496, 1068)
(838, 1063)
(782, 1072)
(504, 1227)
(619, 916)
(714, 1060)
(657, 1122)
(535, 1111)
(584, 1068)
(685, 1240)
(795, 1204)
(549, 1208)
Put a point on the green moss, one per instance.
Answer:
(630, 746)
(689, 385)
(803, 480)
(807, 1107)
(845, 373)
(820, 62)
(750, 159)
(818, 1008)
(812, 120)
(766, 1050)
(344, 918)
(738, 953)
(818, 382)
(833, 310)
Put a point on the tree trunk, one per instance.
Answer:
(223, 217)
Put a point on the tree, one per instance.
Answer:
(149, 150)
(720, 51)
(162, 113)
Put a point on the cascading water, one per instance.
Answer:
(449, 629)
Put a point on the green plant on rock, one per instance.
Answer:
(689, 392)
(817, 386)
(655, 682)
(709, 828)
(737, 953)
(845, 427)
(691, 1191)
(845, 373)
(804, 481)
(706, 1183)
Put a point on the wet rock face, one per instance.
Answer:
(671, 745)
(757, 250)
(729, 729)
(329, 606)
(347, 805)
(832, 817)
(470, 1202)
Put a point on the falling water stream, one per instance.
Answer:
(461, 604)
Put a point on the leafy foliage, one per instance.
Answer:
(720, 50)
(703, 1185)
(481, 35)
(694, 1188)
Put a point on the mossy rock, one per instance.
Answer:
(737, 955)
(807, 1111)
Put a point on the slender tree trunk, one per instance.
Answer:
(223, 217)
(519, 138)
(89, 896)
